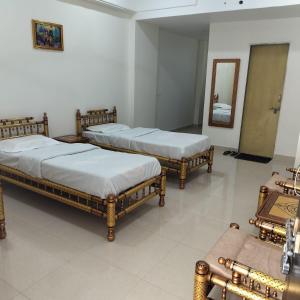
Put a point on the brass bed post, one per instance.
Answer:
(111, 217)
(163, 182)
(2, 215)
(46, 126)
(78, 122)
(201, 281)
(183, 172)
(210, 159)
(115, 114)
(263, 193)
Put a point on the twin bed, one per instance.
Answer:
(179, 153)
(108, 184)
(101, 182)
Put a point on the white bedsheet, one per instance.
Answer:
(154, 141)
(85, 167)
(31, 162)
(221, 115)
(9, 159)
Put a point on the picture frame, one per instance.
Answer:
(47, 35)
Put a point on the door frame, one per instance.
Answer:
(246, 86)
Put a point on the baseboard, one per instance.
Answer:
(283, 157)
(188, 126)
(222, 148)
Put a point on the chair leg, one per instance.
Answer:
(183, 173)
(2, 215)
(163, 182)
(111, 217)
(201, 284)
(263, 234)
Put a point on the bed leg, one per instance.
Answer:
(201, 284)
(183, 173)
(2, 216)
(111, 217)
(163, 183)
(210, 159)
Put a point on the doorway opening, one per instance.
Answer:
(181, 82)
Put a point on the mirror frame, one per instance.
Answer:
(237, 63)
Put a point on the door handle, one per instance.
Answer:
(275, 109)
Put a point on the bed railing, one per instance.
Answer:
(12, 128)
(94, 117)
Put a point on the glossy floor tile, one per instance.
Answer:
(56, 252)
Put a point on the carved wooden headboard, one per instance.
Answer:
(94, 117)
(12, 128)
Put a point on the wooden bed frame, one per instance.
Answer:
(112, 208)
(181, 167)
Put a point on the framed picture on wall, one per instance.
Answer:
(47, 35)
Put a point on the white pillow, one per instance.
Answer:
(222, 105)
(26, 143)
(109, 127)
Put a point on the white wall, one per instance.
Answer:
(208, 6)
(142, 5)
(92, 71)
(200, 82)
(233, 40)
(177, 65)
(145, 74)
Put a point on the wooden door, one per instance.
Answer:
(266, 75)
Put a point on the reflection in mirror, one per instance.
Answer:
(223, 92)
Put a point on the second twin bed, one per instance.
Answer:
(179, 153)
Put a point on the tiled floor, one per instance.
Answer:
(56, 252)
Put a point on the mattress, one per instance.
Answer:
(9, 159)
(153, 141)
(221, 115)
(84, 167)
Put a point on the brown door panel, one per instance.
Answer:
(266, 75)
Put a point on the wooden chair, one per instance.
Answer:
(244, 281)
(279, 184)
(250, 275)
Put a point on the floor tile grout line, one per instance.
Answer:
(42, 278)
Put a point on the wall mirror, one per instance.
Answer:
(224, 86)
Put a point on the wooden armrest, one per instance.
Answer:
(204, 279)
(252, 274)
(271, 228)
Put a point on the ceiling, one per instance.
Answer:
(198, 25)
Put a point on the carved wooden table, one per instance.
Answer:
(71, 139)
(278, 208)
